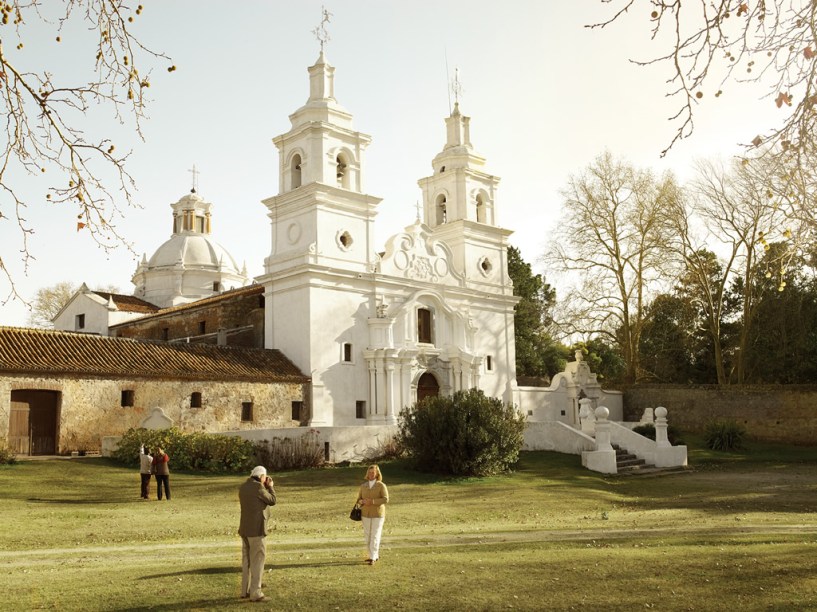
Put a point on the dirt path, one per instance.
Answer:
(90, 554)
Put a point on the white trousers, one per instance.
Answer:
(253, 555)
(372, 528)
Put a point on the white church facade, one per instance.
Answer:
(432, 314)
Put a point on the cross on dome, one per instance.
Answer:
(195, 174)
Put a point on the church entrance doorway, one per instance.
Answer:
(427, 386)
(33, 422)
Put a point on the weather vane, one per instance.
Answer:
(195, 174)
(321, 33)
(456, 86)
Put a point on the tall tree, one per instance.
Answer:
(612, 240)
(709, 46)
(730, 211)
(537, 354)
(52, 143)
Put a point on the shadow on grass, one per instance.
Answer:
(200, 604)
(93, 502)
(233, 569)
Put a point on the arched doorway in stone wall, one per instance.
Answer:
(427, 386)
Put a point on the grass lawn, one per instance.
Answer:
(738, 530)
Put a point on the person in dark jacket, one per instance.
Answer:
(256, 496)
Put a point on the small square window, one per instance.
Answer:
(165, 333)
(202, 327)
(489, 363)
(127, 398)
(297, 409)
(216, 286)
(347, 352)
(246, 411)
(195, 399)
(79, 321)
(360, 410)
(530, 412)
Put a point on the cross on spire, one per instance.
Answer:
(195, 174)
(321, 33)
(456, 86)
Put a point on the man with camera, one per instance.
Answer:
(256, 496)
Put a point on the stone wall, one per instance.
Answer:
(90, 408)
(774, 413)
(240, 319)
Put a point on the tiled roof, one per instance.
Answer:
(129, 303)
(48, 352)
(208, 301)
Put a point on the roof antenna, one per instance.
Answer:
(447, 79)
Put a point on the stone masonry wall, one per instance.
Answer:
(237, 312)
(774, 413)
(91, 408)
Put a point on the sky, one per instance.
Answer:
(545, 94)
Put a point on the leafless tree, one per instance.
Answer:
(611, 241)
(47, 134)
(710, 45)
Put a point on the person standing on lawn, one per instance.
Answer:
(162, 473)
(256, 496)
(145, 468)
(372, 498)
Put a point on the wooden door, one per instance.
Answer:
(19, 433)
(427, 386)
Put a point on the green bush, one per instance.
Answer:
(724, 435)
(467, 434)
(6, 455)
(193, 451)
(648, 431)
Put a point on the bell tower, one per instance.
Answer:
(459, 205)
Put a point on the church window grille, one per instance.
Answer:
(295, 174)
(360, 409)
(347, 352)
(79, 321)
(195, 399)
(424, 321)
(127, 398)
(246, 411)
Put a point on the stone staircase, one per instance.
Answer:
(629, 464)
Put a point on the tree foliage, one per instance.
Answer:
(710, 46)
(51, 143)
(537, 353)
(48, 302)
(467, 434)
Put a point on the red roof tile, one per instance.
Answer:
(44, 352)
(129, 303)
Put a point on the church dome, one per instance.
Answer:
(193, 251)
(190, 265)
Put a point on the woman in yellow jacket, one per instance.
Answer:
(372, 498)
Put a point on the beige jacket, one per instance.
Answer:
(255, 501)
(379, 495)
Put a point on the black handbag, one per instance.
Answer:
(356, 514)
